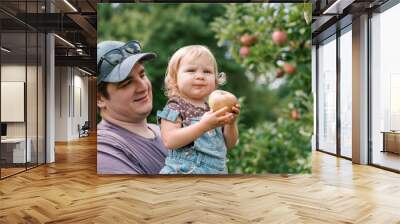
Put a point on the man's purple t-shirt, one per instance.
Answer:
(120, 151)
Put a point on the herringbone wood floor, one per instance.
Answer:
(70, 191)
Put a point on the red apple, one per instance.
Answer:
(247, 39)
(253, 39)
(220, 98)
(290, 69)
(279, 37)
(244, 51)
(295, 115)
(279, 72)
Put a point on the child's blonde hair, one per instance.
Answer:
(171, 82)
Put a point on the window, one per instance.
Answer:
(385, 89)
(22, 77)
(346, 92)
(327, 96)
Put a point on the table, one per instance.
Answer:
(13, 150)
(391, 141)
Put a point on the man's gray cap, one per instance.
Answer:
(122, 70)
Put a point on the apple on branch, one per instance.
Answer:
(247, 39)
(295, 115)
(244, 51)
(279, 37)
(220, 98)
(288, 68)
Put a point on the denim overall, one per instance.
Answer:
(206, 156)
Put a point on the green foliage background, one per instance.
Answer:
(270, 141)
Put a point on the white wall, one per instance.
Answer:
(71, 94)
(33, 126)
(61, 103)
(80, 110)
(12, 73)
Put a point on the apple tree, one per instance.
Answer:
(273, 43)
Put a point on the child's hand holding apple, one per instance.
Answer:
(219, 99)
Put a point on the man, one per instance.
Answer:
(126, 143)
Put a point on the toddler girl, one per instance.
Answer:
(197, 137)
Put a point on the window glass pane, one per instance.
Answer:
(327, 96)
(31, 97)
(22, 87)
(385, 84)
(41, 98)
(15, 150)
(345, 94)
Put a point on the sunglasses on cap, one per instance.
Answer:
(115, 56)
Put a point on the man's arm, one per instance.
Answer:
(112, 159)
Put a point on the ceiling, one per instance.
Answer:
(74, 21)
(330, 15)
